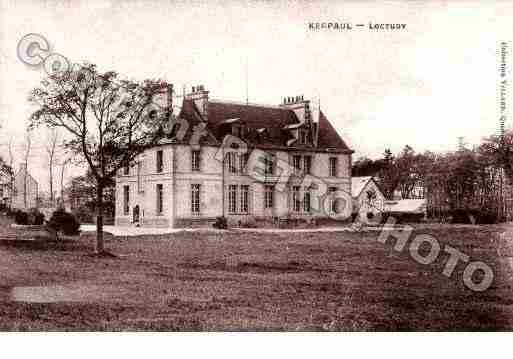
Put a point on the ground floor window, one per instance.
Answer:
(307, 201)
(268, 196)
(195, 198)
(126, 200)
(160, 199)
(333, 200)
(232, 199)
(244, 199)
(296, 200)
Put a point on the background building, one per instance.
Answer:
(25, 189)
(6, 184)
(367, 196)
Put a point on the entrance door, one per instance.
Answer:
(135, 214)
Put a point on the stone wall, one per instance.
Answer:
(177, 178)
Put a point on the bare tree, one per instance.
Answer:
(28, 145)
(51, 147)
(108, 121)
(11, 179)
(63, 169)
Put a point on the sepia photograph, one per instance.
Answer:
(256, 166)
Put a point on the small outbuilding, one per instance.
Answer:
(367, 196)
(413, 209)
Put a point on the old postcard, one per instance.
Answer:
(283, 166)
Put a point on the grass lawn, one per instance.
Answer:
(250, 281)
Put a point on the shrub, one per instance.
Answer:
(250, 223)
(486, 217)
(84, 215)
(21, 217)
(460, 216)
(220, 223)
(35, 217)
(403, 217)
(473, 216)
(10, 213)
(64, 221)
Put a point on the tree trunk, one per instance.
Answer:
(99, 217)
(51, 185)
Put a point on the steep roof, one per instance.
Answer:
(328, 136)
(277, 122)
(253, 117)
(358, 184)
(190, 113)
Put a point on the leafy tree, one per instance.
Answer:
(82, 194)
(405, 165)
(107, 121)
(365, 167)
(388, 175)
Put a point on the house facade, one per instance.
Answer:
(25, 190)
(6, 184)
(243, 161)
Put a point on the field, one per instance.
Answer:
(251, 281)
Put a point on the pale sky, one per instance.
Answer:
(423, 86)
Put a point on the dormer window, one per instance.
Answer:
(238, 130)
(302, 137)
(268, 165)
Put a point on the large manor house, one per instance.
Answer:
(180, 182)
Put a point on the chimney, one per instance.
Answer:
(299, 105)
(200, 97)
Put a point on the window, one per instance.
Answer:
(244, 199)
(195, 198)
(307, 165)
(160, 199)
(307, 200)
(296, 201)
(268, 196)
(139, 179)
(237, 130)
(126, 170)
(302, 137)
(243, 158)
(268, 165)
(232, 164)
(126, 200)
(195, 160)
(172, 133)
(333, 199)
(160, 161)
(333, 166)
(232, 199)
(296, 162)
